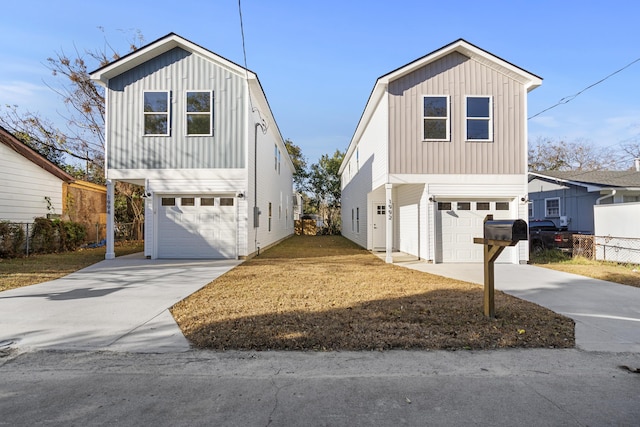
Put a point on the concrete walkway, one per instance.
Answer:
(607, 314)
(118, 305)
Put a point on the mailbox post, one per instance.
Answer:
(498, 235)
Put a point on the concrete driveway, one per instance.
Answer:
(607, 314)
(118, 305)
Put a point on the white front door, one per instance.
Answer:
(379, 225)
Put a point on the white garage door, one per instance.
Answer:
(461, 221)
(196, 227)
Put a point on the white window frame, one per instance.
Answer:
(447, 118)
(149, 113)
(546, 207)
(531, 210)
(358, 220)
(193, 113)
(489, 119)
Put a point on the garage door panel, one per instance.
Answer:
(196, 231)
(458, 228)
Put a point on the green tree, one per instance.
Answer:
(301, 174)
(324, 184)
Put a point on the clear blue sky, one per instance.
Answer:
(318, 61)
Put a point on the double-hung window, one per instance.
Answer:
(479, 118)
(435, 114)
(552, 207)
(200, 113)
(156, 113)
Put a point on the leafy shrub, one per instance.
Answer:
(55, 235)
(12, 239)
(72, 234)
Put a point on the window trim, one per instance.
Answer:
(148, 113)
(188, 113)
(488, 119)
(546, 207)
(447, 118)
(530, 208)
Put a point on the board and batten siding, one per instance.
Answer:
(23, 188)
(176, 71)
(457, 76)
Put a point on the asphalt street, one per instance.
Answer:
(498, 388)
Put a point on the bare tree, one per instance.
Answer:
(83, 139)
(548, 154)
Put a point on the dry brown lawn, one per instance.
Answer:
(625, 274)
(38, 268)
(325, 293)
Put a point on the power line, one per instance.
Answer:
(570, 98)
(246, 70)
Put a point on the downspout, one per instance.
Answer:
(256, 211)
(599, 199)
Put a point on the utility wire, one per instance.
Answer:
(246, 70)
(568, 99)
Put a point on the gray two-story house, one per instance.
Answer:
(196, 131)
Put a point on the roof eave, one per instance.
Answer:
(36, 158)
(158, 47)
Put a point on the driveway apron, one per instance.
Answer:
(118, 305)
(607, 314)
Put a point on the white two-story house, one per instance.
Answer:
(196, 130)
(442, 142)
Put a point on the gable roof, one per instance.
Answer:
(529, 80)
(600, 179)
(158, 47)
(30, 154)
(171, 41)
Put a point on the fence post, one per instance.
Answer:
(27, 239)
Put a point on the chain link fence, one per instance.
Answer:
(606, 248)
(17, 239)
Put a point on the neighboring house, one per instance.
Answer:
(196, 130)
(30, 185)
(568, 197)
(442, 143)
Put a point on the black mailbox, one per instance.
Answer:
(512, 230)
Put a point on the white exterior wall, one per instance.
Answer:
(415, 225)
(275, 187)
(367, 172)
(411, 226)
(617, 220)
(23, 188)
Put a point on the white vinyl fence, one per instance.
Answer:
(617, 231)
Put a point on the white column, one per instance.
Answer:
(110, 221)
(389, 235)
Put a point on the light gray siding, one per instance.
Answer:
(457, 76)
(176, 71)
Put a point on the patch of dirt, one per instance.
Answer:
(324, 293)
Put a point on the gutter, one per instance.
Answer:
(606, 196)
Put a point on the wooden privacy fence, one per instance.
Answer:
(306, 227)
(624, 250)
